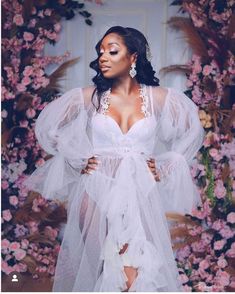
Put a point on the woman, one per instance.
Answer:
(122, 151)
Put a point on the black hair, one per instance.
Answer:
(135, 42)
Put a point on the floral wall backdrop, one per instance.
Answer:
(31, 225)
(205, 240)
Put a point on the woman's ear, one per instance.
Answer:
(134, 57)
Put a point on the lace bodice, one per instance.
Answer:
(108, 137)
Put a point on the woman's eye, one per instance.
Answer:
(113, 52)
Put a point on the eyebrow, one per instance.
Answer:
(111, 43)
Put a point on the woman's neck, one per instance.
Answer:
(125, 86)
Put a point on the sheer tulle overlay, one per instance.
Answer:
(120, 203)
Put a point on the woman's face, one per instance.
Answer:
(114, 58)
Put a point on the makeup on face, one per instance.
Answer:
(114, 59)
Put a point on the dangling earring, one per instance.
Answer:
(132, 71)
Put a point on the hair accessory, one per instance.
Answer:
(148, 53)
(133, 71)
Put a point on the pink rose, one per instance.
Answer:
(5, 244)
(28, 71)
(218, 224)
(5, 185)
(30, 113)
(4, 113)
(26, 81)
(222, 278)
(226, 232)
(13, 200)
(220, 191)
(40, 162)
(19, 254)
(197, 68)
(14, 246)
(24, 244)
(222, 263)
(207, 70)
(57, 27)
(6, 215)
(6, 268)
(213, 152)
(32, 23)
(183, 278)
(27, 36)
(18, 20)
(231, 218)
(204, 264)
(47, 12)
(21, 88)
(51, 233)
(218, 245)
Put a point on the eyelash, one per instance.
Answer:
(111, 53)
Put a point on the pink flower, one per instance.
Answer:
(222, 278)
(13, 200)
(226, 232)
(26, 81)
(218, 224)
(207, 69)
(6, 215)
(30, 113)
(5, 185)
(21, 88)
(183, 278)
(19, 254)
(4, 113)
(27, 36)
(47, 12)
(40, 162)
(51, 233)
(5, 244)
(57, 27)
(231, 217)
(28, 71)
(18, 20)
(213, 152)
(14, 246)
(197, 68)
(32, 23)
(220, 191)
(204, 264)
(222, 262)
(24, 244)
(218, 245)
(6, 268)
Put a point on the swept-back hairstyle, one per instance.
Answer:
(135, 42)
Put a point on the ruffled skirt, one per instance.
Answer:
(121, 204)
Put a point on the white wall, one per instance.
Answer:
(149, 16)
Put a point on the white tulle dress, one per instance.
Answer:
(120, 203)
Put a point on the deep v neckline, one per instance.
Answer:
(144, 109)
(119, 128)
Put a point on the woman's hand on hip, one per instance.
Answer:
(153, 168)
(92, 165)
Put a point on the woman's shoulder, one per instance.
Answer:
(160, 94)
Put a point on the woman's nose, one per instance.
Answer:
(103, 58)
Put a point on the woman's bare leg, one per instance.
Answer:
(130, 271)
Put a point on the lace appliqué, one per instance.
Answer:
(105, 101)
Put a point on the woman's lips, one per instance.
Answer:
(104, 68)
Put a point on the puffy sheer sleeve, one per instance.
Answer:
(61, 131)
(179, 137)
